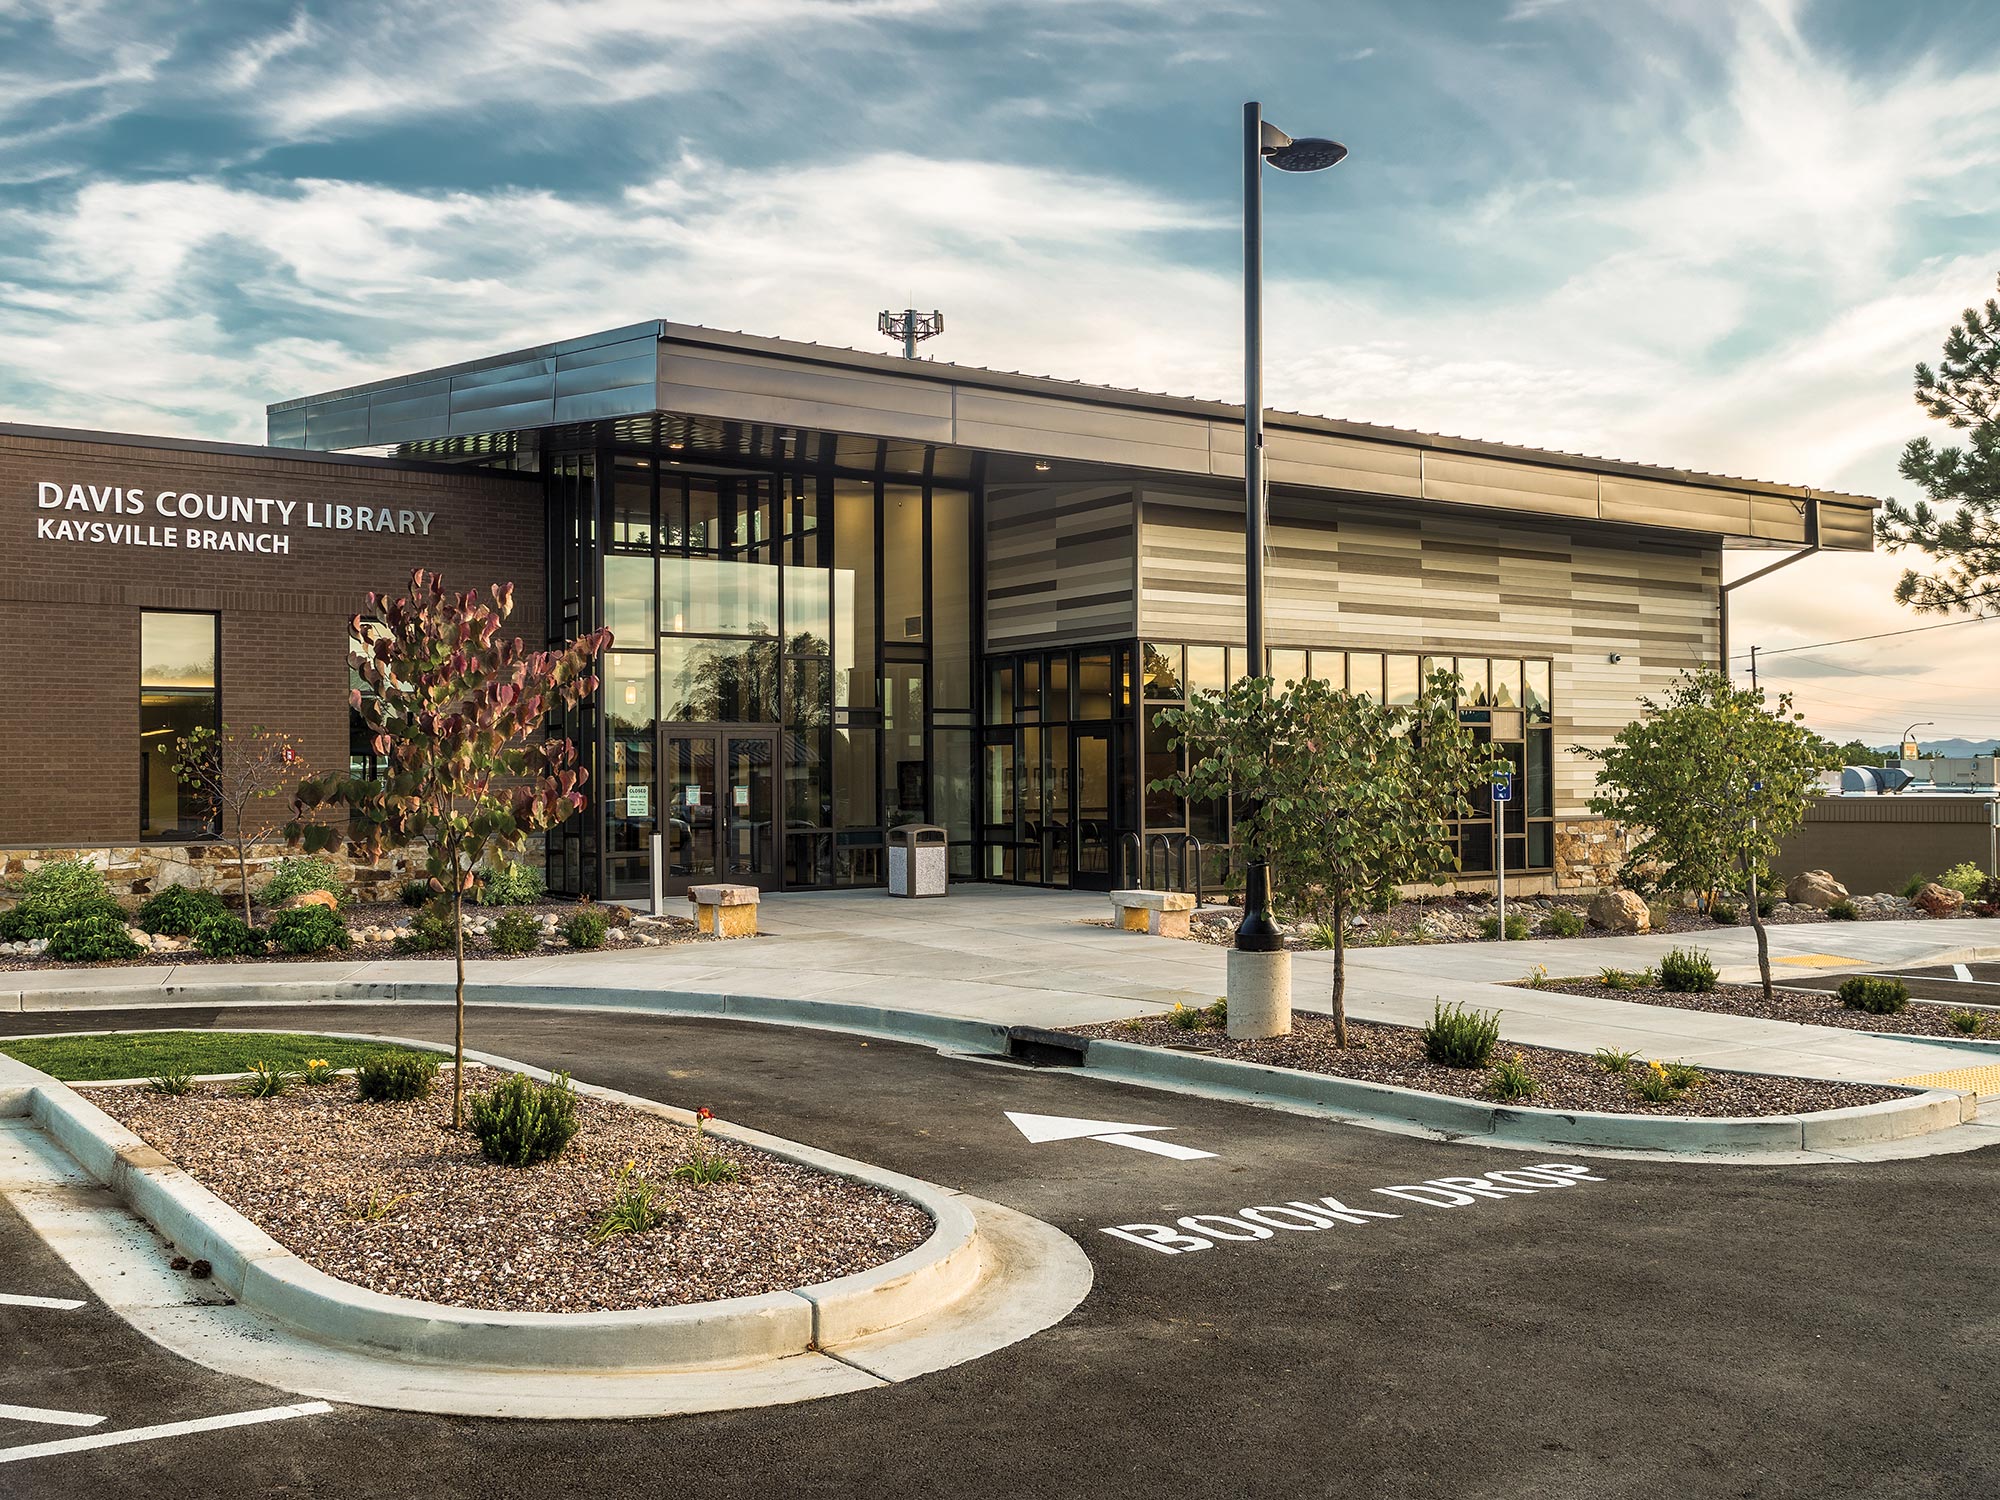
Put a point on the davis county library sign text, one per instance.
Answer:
(114, 515)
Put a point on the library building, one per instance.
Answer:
(849, 592)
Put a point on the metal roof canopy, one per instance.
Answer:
(654, 367)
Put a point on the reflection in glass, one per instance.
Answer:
(1400, 681)
(903, 774)
(1330, 667)
(854, 803)
(632, 507)
(951, 782)
(628, 600)
(951, 599)
(1162, 670)
(902, 563)
(1536, 695)
(854, 595)
(1287, 666)
(1472, 691)
(177, 675)
(1364, 675)
(628, 689)
(717, 681)
(1093, 686)
(1506, 684)
(700, 596)
(808, 611)
(1207, 669)
(688, 792)
(1000, 693)
(630, 809)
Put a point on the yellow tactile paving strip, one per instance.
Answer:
(1817, 960)
(1983, 1081)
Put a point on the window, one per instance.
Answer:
(177, 693)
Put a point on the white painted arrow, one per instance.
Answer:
(48, 1414)
(1041, 1128)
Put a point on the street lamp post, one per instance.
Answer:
(1262, 142)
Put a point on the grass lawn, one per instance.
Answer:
(147, 1054)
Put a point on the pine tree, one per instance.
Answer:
(1958, 523)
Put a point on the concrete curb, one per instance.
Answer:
(1895, 1119)
(269, 1279)
(1352, 1099)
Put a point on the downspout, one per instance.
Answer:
(1722, 595)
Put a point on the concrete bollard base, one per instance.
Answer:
(1260, 994)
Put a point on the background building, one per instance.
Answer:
(850, 591)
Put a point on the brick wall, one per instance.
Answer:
(69, 715)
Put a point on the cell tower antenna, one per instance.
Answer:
(911, 327)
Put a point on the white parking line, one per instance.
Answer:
(165, 1429)
(1962, 972)
(59, 1304)
(49, 1415)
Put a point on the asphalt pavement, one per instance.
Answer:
(1602, 1328)
(1971, 985)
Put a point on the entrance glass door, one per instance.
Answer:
(1090, 816)
(717, 791)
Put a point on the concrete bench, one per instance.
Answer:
(725, 910)
(1161, 913)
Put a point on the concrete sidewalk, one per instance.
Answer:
(1050, 958)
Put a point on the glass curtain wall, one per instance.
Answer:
(1057, 787)
(790, 674)
(1506, 701)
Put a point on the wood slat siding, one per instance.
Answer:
(1059, 564)
(1448, 584)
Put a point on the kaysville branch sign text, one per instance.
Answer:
(114, 515)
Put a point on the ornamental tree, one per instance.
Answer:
(457, 713)
(1958, 521)
(1713, 781)
(1347, 798)
(242, 777)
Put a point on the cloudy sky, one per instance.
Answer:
(1708, 233)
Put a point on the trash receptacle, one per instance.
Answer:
(917, 860)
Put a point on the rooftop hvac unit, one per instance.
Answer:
(1873, 780)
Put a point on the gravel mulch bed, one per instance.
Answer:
(663, 931)
(1812, 1007)
(1568, 1080)
(304, 1166)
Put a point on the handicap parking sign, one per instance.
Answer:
(1503, 786)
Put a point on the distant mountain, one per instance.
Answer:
(1957, 746)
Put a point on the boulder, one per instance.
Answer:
(1815, 888)
(1939, 900)
(1619, 911)
(314, 898)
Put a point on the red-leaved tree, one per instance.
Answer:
(457, 713)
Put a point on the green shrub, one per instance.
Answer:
(1844, 910)
(585, 929)
(1517, 927)
(1685, 1075)
(415, 893)
(1655, 1084)
(1967, 1022)
(1185, 1017)
(1218, 1012)
(309, 929)
(175, 1083)
(266, 1081)
(1687, 971)
(636, 1207)
(1914, 884)
(1966, 878)
(226, 935)
(1512, 1080)
(520, 1122)
(1722, 912)
(1877, 994)
(511, 885)
(430, 931)
(298, 873)
(92, 939)
(516, 932)
(59, 890)
(1766, 904)
(177, 910)
(1322, 936)
(1615, 1059)
(1461, 1038)
(1627, 979)
(396, 1077)
(1563, 922)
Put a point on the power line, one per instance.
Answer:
(1856, 639)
